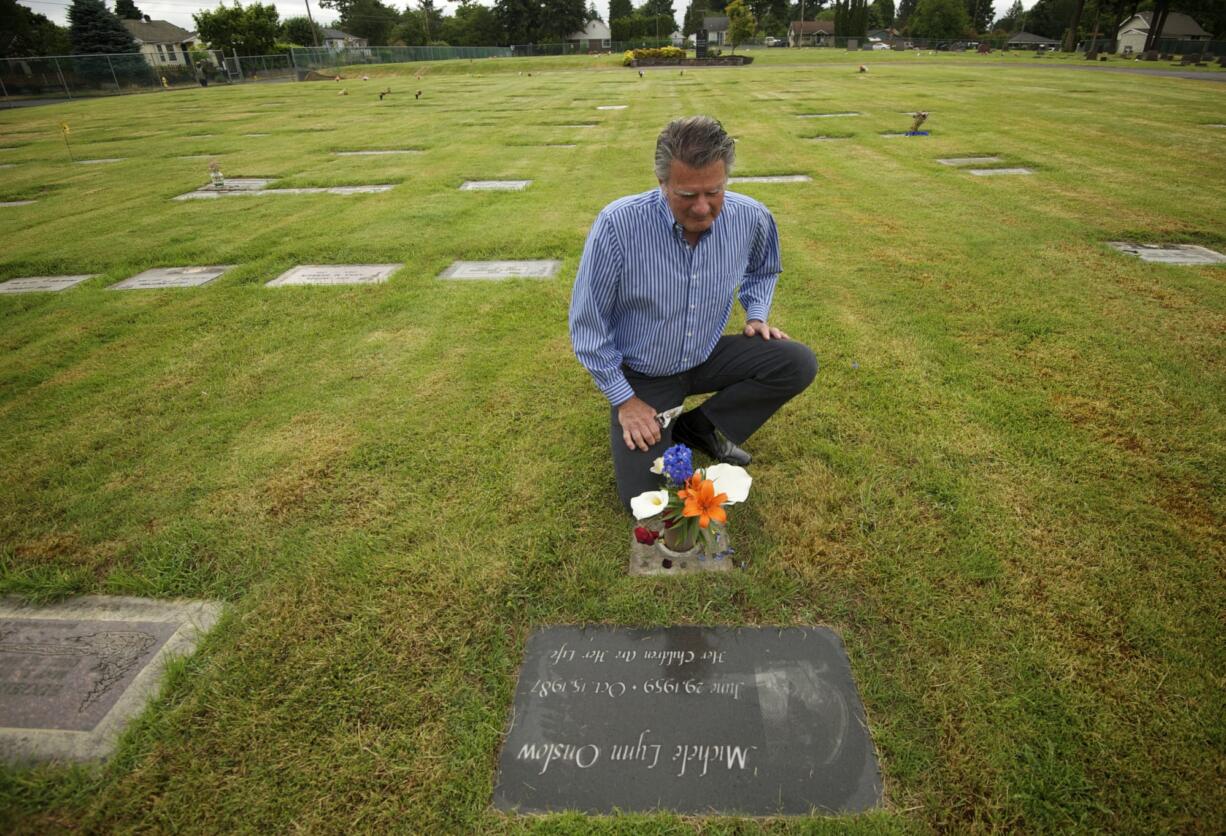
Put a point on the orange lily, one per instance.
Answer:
(691, 487)
(705, 503)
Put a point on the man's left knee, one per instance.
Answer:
(798, 365)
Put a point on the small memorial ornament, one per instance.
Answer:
(215, 176)
(687, 517)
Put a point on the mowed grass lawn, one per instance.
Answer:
(1005, 489)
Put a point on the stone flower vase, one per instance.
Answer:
(674, 541)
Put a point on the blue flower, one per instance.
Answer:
(678, 464)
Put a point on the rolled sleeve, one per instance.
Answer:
(762, 271)
(592, 305)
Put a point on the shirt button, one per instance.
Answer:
(692, 307)
(689, 333)
(693, 275)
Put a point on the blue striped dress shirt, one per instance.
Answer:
(646, 299)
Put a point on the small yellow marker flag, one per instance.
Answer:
(66, 131)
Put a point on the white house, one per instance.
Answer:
(1135, 30)
(336, 39)
(595, 37)
(162, 43)
(717, 30)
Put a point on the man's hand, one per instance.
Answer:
(639, 425)
(756, 327)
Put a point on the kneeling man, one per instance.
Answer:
(654, 291)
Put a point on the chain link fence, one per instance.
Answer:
(39, 80)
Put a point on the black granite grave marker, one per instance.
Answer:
(753, 721)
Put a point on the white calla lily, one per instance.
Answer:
(648, 504)
(731, 480)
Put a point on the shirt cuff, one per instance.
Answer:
(619, 391)
(758, 312)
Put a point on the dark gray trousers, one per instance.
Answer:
(751, 378)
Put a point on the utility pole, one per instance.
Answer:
(314, 31)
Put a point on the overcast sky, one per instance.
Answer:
(179, 12)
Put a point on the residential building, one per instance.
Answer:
(595, 37)
(161, 42)
(1178, 27)
(336, 39)
(811, 33)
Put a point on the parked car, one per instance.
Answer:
(775, 42)
(881, 46)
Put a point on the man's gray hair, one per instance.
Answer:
(696, 141)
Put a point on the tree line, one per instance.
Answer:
(257, 29)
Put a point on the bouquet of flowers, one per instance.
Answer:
(692, 500)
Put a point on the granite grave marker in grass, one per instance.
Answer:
(694, 720)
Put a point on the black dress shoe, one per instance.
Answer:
(712, 443)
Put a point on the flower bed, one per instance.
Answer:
(721, 61)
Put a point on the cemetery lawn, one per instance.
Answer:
(1006, 489)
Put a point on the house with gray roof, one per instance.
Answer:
(336, 39)
(810, 32)
(1029, 40)
(717, 29)
(1178, 26)
(161, 42)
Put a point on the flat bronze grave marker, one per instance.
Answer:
(494, 185)
(1169, 253)
(101, 161)
(499, 270)
(160, 277)
(694, 720)
(43, 284)
(16, 202)
(826, 115)
(330, 274)
(73, 674)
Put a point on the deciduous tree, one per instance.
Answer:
(27, 33)
(250, 30)
(301, 31)
(935, 19)
(741, 23)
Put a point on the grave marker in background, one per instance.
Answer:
(500, 270)
(494, 185)
(160, 277)
(754, 721)
(331, 274)
(43, 284)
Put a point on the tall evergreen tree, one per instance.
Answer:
(693, 16)
(127, 10)
(93, 29)
(619, 9)
(1012, 21)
